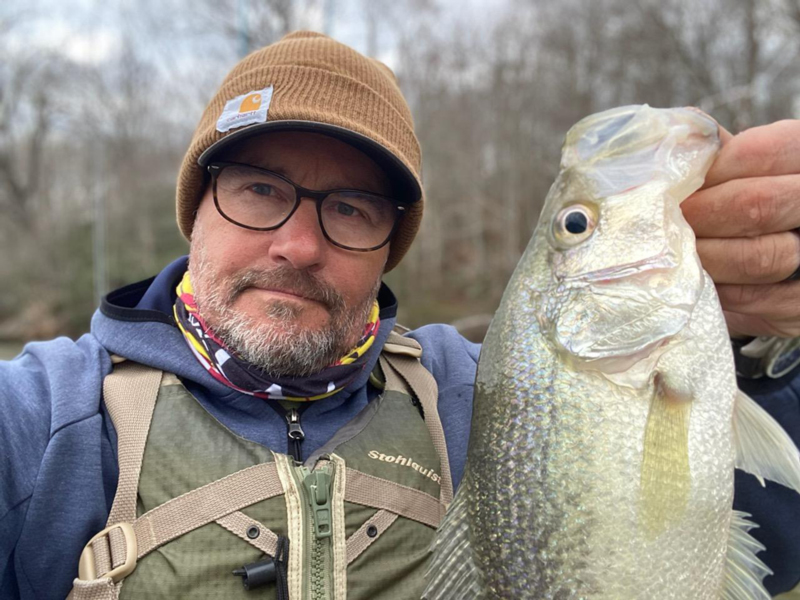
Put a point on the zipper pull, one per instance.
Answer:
(293, 420)
(295, 433)
(318, 488)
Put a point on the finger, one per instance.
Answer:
(772, 149)
(777, 301)
(749, 325)
(764, 259)
(745, 207)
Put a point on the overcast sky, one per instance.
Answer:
(89, 30)
(162, 35)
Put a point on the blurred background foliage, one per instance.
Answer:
(98, 102)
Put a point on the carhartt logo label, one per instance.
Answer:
(406, 462)
(246, 109)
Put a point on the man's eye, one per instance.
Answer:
(262, 189)
(345, 209)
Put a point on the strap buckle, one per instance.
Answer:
(87, 569)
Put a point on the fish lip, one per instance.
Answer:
(662, 261)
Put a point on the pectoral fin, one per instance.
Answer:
(763, 448)
(665, 477)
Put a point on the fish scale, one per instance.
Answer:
(603, 445)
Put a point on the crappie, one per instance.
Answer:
(607, 421)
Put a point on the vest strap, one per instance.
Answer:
(404, 370)
(95, 589)
(215, 501)
(397, 344)
(130, 393)
(206, 504)
(387, 495)
(361, 540)
(240, 524)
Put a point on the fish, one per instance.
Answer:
(607, 421)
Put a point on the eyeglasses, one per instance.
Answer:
(261, 200)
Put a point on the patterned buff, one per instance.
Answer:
(234, 372)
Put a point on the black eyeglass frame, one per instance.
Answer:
(214, 169)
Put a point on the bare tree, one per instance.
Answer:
(27, 110)
(492, 90)
(494, 100)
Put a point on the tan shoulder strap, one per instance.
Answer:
(397, 344)
(130, 393)
(404, 371)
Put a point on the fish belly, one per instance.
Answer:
(582, 488)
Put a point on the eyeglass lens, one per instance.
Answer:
(256, 198)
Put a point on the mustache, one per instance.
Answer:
(286, 279)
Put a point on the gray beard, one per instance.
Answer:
(279, 347)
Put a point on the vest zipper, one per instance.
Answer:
(316, 488)
(295, 434)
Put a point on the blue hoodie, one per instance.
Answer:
(58, 468)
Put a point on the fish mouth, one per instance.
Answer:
(618, 316)
(665, 260)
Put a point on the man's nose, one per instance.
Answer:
(300, 241)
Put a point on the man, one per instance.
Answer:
(279, 337)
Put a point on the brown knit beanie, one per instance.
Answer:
(309, 82)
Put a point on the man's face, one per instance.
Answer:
(288, 301)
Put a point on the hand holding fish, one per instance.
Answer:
(746, 218)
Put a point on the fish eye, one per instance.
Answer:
(574, 224)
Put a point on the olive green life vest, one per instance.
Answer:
(195, 501)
